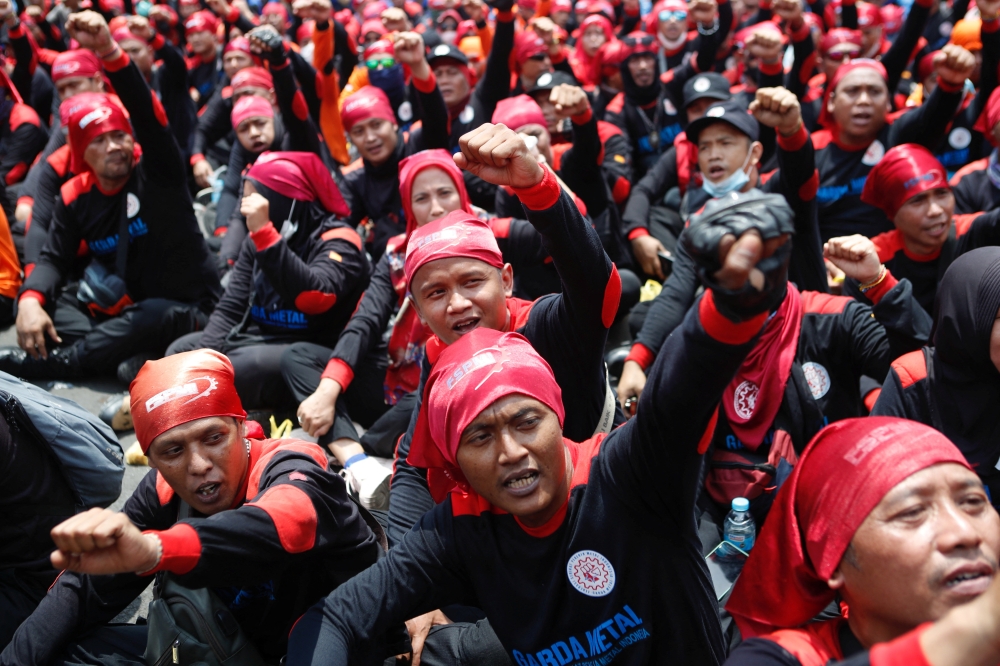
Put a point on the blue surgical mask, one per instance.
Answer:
(733, 183)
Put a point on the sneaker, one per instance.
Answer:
(369, 479)
(130, 367)
(117, 412)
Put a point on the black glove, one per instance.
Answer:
(736, 214)
(267, 41)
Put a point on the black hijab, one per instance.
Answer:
(645, 95)
(304, 217)
(966, 384)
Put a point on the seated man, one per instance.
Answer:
(886, 515)
(271, 529)
(519, 536)
(136, 298)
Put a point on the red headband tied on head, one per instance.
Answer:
(201, 21)
(412, 166)
(373, 25)
(179, 389)
(78, 62)
(471, 374)
(457, 234)
(839, 36)
(903, 173)
(275, 8)
(251, 106)
(826, 118)
(989, 117)
(380, 47)
(124, 35)
(238, 44)
(369, 102)
(301, 176)
(252, 77)
(516, 112)
(527, 44)
(842, 475)
(869, 15)
(88, 118)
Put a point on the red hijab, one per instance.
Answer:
(411, 166)
(301, 176)
(587, 68)
(842, 475)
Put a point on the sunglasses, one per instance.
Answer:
(675, 15)
(380, 63)
(849, 54)
(632, 42)
(538, 56)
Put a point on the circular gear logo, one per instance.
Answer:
(591, 573)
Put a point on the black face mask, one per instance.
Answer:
(641, 95)
(294, 220)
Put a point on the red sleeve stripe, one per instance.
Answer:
(795, 141)
(642, 355)
(542, 196)
(426, 86)
(293, 514)
(910, 368)
(723, 330)
(343, 233)
(265, 237)
(612, 297)
(181, 549)
(338, 371)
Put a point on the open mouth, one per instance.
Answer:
(208, 492)
(861, 118)
(937, 229)
(716, 172)
(258, 146)
(463, 326)
(523, 483)
(969, 580)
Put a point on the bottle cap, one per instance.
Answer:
(741, 504)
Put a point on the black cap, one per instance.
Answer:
(550, 80)
(446, 51)
(731, 112)
(710, 85)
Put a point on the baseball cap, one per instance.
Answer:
(550, 80)
(731, 112)
(446, 51)
(710, 84)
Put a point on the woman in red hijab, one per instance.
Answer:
(595, 31)
(883, 515)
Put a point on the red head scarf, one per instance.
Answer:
(471, 374)
(892, 18)
(601, 7)
(374, 10)
(201, 21)
(252, 77)
(825, 117)
(78, 62)
(382, 46)
(639, 42)
(373, 25)
(528, 4)
(449, 14)
(90, 117)
(842, 475)
(369, 102)
(251, 106)
(526, 44)
(869, 15)
(926, 67)
(124, 35)
(299, 175)
(457, 234)
(990, 116)
(612, 55)
(839, 36)
(516, 112)
(904, 172)
(411, 166)
(179, 389)
(276, 8)
(561, 6)
(238, 44)
(587, 68)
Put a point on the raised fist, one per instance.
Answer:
(6, 9)
(569, 100)
(777, 108)
(988, 9)
(254, 207)
(954, 64)
(498, 155)
(856, 256)
(102, 542)
(476, 9)
(139, 25)
(765, 45)
(409, 47)
(318, 10)
(91, 31)
(790, 10)
(266, 40)
(703, 11)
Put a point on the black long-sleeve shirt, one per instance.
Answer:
(295, 536)
(973, 189)
(593, 584)
(167, 255)
(569, 330)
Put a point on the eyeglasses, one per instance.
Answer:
(383, 62)
(675, 15)
(633, 42)
(538, 56)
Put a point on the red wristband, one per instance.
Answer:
(638, 232)
(181, 549)
(542, 196)
(265, 237)
(427, 85)
(642, 355)
(31, 293)
(722, 329)
(795, 141)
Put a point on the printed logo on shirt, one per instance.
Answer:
(405, 112)
(818, 379)
(831, 193)
(874, 154)
(131, 205)
(290, 319)
(960, 138)
(191, 388)
(745, 399)
(468, 113)
(669, 107)
(592, 648)
(110, 244)
(591, 573)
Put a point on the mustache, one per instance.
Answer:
(967, 557)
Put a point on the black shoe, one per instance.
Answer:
(61, 364)
(130, 367)
(117, 412)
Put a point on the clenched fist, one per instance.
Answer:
(954, 64)
(91, 30)
(498, 155)
(569, 100)
(102, 542)
(778, 108)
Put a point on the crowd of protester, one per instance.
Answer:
(543, 290)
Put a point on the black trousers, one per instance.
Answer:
(257, 371)
(464, 644)
(302, 366)
(101, 343)
(20, 594)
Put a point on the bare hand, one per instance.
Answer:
(318, 10)
(102, 542)
(765, 45)
(545, 28)
(33, 324)
(6, 9)
(988, 9)
(157, 14)
(419, 627)
(646, 250)
(91, 30)
(778, 108)
(139, 26)
(254, 207)
(35, 13)
(410, 51)
(739, 258)
(855, 255)
(203, 173)
(954, 64)
(632, 382)
(476, 9)
(395, 19)
(569, 100)
(703, 11)
(498, 155)
(790, 10)
(317, 412)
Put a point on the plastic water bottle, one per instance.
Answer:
(739, 528)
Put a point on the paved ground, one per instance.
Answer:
(91, 394)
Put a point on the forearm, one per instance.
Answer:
(667, 310)
(896, 59)
(496, 81)
(436, 126)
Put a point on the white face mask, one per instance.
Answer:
(732, 183)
